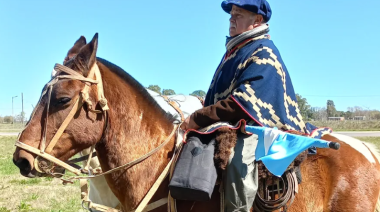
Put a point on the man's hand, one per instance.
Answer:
(189, 124)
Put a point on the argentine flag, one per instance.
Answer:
(278, 149)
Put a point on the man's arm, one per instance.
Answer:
(224, 110)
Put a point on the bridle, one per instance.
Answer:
(44, 162)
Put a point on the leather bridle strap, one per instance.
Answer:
(78, 104)
(132, 163)
(48, 157)
(83, 97)
(174, 105)
(80, 159)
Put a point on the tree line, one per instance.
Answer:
(310, 113)
(18, 118)
(166, 92)
(9, 119)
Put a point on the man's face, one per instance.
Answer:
(241, 21)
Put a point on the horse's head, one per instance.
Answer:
(46, 133)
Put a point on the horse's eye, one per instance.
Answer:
(63, 100)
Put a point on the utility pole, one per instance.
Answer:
(22, 111)
(13, 118)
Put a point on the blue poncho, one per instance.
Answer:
(254, 74)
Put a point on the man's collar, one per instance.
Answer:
(258, 31)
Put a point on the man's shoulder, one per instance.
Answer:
(262, 43)
(262, 46)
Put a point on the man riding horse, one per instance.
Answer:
(93, 103)
(251, 83)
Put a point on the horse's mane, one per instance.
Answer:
(134, 83)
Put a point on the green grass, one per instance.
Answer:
(24, 206)
(20, 194)
(17, 127)
(349, 125)
(7, 166)
(67, 206)
(48, 178)
(7, 147)
(4, 209)
(33, 181)
(373, 140)
(34, 196)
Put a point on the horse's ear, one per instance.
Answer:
(75, 49)
(87, 55)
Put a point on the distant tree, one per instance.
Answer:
(376, 114)
(155, 88)
(304, 107)
(8, 119)
(1, 119)
(340, 113)
(331, 111)
(358, 111)
(349, 115)
(321, 114)
(168, 92)
(23, 118)
(311, 115)
(198, 93)
(20, 117)
(351, 109)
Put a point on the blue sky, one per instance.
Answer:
(331, 48)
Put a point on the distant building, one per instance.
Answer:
(360, 118)
(335, 118)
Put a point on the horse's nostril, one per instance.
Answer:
(24, 165)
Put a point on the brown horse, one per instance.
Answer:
(344, 180)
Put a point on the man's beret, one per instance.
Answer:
(260, 7)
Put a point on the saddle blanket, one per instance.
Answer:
(187, 104)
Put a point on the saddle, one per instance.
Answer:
(276, 193)
(195, 175)
(273, 192)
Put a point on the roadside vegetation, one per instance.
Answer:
(349, 125)
(17, 127)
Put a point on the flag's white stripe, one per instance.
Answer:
(270, 136)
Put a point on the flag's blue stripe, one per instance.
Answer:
(284, 149)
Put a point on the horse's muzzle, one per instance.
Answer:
(25, 162)
(24, 166)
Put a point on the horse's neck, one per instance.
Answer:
(135, 128)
